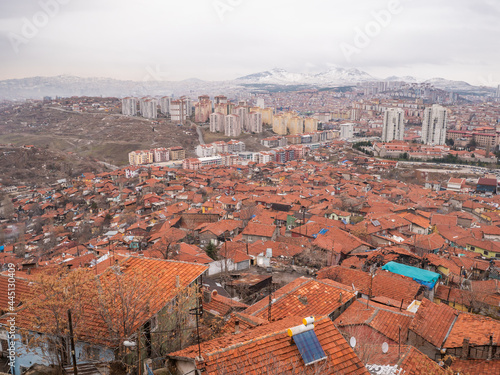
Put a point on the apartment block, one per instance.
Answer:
(279, 125)
(177, 153)
(217, 121)
(347, 131)
(165, 105)
(161, 155)
(310, 124)
(149, 107)
(434, 125)
(180, 109)
(202, 109)
(129, 106)
(255, 122)
(232, 126)
(393, 126)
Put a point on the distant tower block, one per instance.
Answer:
(394, 127)
(434, 125)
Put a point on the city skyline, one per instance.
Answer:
(225, 39)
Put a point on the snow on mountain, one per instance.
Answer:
(332, 76)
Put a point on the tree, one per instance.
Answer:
(450, 142)
(46, 308)
(211, 251)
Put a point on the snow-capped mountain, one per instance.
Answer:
(333, 76)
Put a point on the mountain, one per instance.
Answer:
(333, 76)
(66, 86)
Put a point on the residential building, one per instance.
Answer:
(393, 126)
(279, 125)
(180, 109)
(129, 106)
(140, 157)
(242, 112)
(177, 153)
(255, 122)
(347, 131)
(434, 125)
(161, 155)
(232, 126)
(206, 150)
(310, 124)
(165, 105)
(149, 108)
(217, 121)
(202, 109)
(295, 125)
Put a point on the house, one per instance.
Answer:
(304, 297)
(372, 323)
(397, 290)
(269, 348)
(456, 184)
(487, 185)
(161, 282)
(430, 327)
(259, 232)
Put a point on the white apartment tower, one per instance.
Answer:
(129, 106)
(255, 122)
(232, 126)
(217, 122)
(347, 131)
(434, 125)
(394, 126)
(165, 105)
(149, 108)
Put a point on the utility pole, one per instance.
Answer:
(73, 354)
(139, 351)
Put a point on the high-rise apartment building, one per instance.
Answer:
(217, 122)
(202, 109)
(434, 125)
(310, 124)
(347, 131)
(165, 105)
(393, 126)
(180, 109)
(232, 126)
(129, 106)
(279, 125)
(149, 108)
(255, 122)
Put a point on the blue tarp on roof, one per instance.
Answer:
(424, 277)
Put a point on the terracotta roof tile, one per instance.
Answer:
(269, 347)
(432, 322)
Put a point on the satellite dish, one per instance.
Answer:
(385, 348)
(352, 342)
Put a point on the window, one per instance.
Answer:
(497, 255)
(486, 252)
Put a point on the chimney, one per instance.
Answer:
(465, 348)
(340, 297)
(207, 296)
(237, 327)
(177, 282)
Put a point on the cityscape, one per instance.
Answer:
(323, 198)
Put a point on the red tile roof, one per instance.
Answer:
(269, 348)
(432, 322)
(303, 297)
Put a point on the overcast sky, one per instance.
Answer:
(225, 39)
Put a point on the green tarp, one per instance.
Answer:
(424, 277)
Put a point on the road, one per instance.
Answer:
(200, 135)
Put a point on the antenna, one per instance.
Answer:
(385, 348)
(352, 342)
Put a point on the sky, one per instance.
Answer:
(225, 39)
